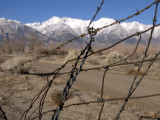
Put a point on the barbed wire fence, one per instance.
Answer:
(85, 34)
(41, 96)
(135, 84)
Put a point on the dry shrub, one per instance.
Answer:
(134, 68)
(44, 51)
(17, 61)
(57, 94)
(150, 56)
(72, 54)
(114, 56)
(92, 60)
(128, 49)
(48, 51)
(61, 52)
(133, 72)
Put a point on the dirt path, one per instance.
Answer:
(116, 85)
(17, 91)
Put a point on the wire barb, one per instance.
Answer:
(132, 88)
(78, 66)
(74, 73)
(85, 34)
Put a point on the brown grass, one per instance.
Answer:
(127, 49)
(14, 62)
(72, 54)
(114, 56)
(132, 71)
(56, 95)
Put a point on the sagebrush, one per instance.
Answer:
(18, 62)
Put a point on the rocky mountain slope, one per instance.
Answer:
(14, 30)
(62, 29)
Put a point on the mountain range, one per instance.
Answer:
(62, 29)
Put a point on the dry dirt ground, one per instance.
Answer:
(17, 92)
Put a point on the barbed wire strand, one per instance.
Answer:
(98, 51)
(98, 9)
(107, 67)
(82, 35)
(116, 22)
(97, 101)
(46, 92)
(104, 49)
(120, 64)
(75, 70)
(131, 90)
(102, 91)
(137, 13)
(37, 96)
(100, 113)
(106, 70)
(117, 43)
(73, 75)
(42, 92)
(122, 40)
(111, 66)
(139, 61)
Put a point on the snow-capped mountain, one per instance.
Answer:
(62, 29)
(13, 30)
(57, 27)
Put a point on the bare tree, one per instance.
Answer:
(32, 41)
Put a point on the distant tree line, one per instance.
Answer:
(31, 45)
(22, 44)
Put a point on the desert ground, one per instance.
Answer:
(18, 90)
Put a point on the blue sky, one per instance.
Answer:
(27, 11)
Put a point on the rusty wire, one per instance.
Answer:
(85, 34)
(135, 84)
(84, 55)
(98, 9)
(97, 101)
(74, 74)
(44, 91)
(117, 43)
(102, 91)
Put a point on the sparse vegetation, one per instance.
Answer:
(132, 71)
(114, 56)
(93, 60)
(17, 61)
(56, 95)
(72, 54)
(93, 87)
